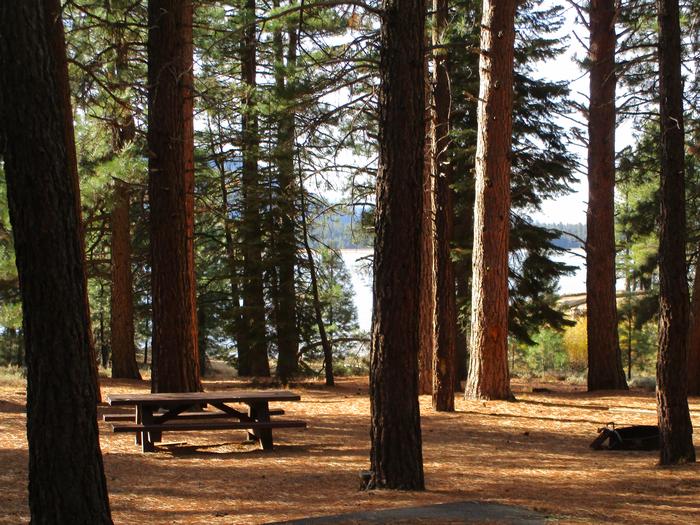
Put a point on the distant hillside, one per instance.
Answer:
(348, 230)
(569, 242)
(343, 230)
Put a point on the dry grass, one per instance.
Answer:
(533, 453)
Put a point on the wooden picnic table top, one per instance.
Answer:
(178, 398)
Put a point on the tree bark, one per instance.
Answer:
(122, 297)
(171, 196)
(488, 364)
(255, 361)
(675, 427)
(66, 475)
(694, 329)
(694, 338)
(122, 286)
(286, 317)
(57, 45)
(427, 287)
(445, 313)
(396, 449)
(605, 371)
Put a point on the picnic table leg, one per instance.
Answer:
(139, 420)
(155, 436)
(260, 411)
(252, 414)
(146, 437)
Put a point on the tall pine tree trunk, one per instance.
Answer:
(122, 296)
(57, 45)
(671, 376)
(488, 365)
(66, 475)
(122, 293)
(396, 448)
(604, 357)
(171, 196)
(694, 328)
(254, 362)
(694, 338)
(445, 317)
(427, 287)
(286, 317)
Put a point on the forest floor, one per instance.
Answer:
(533, 453)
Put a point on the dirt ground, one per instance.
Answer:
(532, 453)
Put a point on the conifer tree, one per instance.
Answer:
(675, 427)
(604, 359)
(488, 364)
(285, 242)
(396, 449)
(252, 358)
(66, 475)
(171, 196)
(55, 34)
(122, 296)
(445, 313)
(541, 168)
(426, 319)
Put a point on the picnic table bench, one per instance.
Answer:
(163, 412)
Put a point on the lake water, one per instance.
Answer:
(576, 282)
(358, 265)
(357, 262)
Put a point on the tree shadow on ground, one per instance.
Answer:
(532, 454)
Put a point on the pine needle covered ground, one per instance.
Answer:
(532, 453)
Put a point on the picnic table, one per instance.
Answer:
(160, 412)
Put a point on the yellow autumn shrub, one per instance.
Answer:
(576, 344)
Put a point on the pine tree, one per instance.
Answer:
(488, 366)
(255, 361)
(694, 337)
(285, 241)
(171, 196)
(675, 427)
(106, 46)
(445, 313)
(426, 319)
(604, 359)
(66, 475)
(122, 296)
(542, 167)
(55, 34)
(396, 450)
